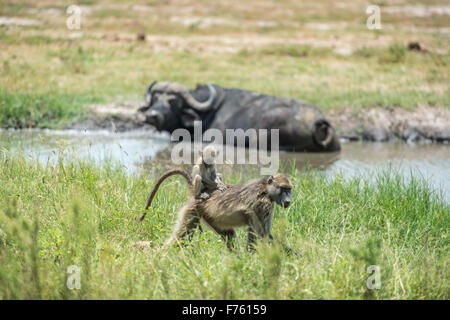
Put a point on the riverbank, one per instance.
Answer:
(75, 213)
(390, 124)
(424, 124)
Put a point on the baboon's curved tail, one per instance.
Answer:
(167, 174)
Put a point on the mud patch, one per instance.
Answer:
(11, 21)
(417, 10)
(390, 124)
(116, 117)
(202, 22)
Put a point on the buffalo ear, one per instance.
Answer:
(188, 116)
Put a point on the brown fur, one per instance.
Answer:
(249, 204)
(205, 177)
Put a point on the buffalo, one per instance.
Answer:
(302, 127)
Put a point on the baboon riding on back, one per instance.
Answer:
(250, 204)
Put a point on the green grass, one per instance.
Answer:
(23, 110)
(74, 213)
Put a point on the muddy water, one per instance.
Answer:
(133, 149)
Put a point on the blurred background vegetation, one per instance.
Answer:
(320, 52)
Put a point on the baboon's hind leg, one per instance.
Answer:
(229, 236)
(188, 221)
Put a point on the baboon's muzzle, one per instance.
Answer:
(285, 203)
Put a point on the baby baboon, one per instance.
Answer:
(206, 178)
(249, 204)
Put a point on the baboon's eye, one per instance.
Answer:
(286, 190)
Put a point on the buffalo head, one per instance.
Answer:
(170, 106)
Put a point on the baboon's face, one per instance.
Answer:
(279, 188)
(209, 155)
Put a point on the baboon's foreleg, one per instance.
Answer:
(198, 186)
(261, 229)
(256, 228)
(286, 249)
(188, 221)
(220, 184)
(251, 241)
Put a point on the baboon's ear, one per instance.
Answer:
(270, 180)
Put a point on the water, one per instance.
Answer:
(134, 149)
(129, 148)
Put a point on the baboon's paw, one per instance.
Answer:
(204, 196)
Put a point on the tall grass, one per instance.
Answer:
(75, 213)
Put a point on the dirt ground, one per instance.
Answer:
(388, 124)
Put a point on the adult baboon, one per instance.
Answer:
(249, 204)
